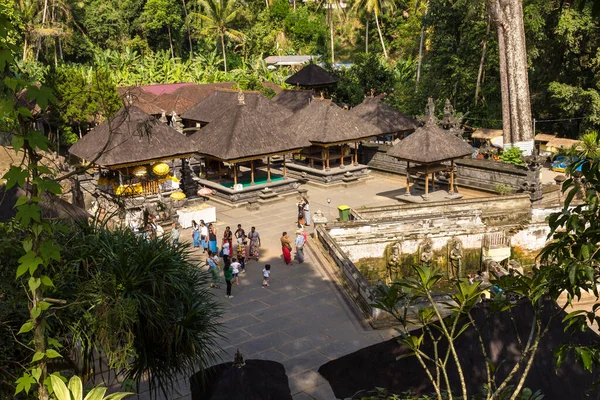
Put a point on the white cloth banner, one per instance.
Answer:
(185, 217)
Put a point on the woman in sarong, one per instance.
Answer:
(286, 248)
(254, 238)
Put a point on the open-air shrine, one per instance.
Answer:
(242, 149)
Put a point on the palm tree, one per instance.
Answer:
(218, 14)
(376, 7)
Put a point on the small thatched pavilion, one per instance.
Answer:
(429, 147)
(330, 129)
(242, 137)
(129, 147)
(311, 76)
(390, 121)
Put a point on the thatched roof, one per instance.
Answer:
(171, 102)
(138, 97)
(294, 100)
(197, 93)
(383, 116)
(220, 101)
(324, 122)
(483, 133)
(430, 144)
(544, 137)
(270, 85)
(312, 76)
(244, 132)
(51, 206)
(136, 137)
(562, 143)
(257, 379)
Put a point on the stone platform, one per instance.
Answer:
(338, 175)
(417, 197)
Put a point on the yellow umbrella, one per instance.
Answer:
(178, 196)
(160, 169)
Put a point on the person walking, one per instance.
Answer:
(195, 233)
(299, 247)
(242, 254)
(286, 248)
(227, 237)
(266, 275)
(203, 236)
(214, 271)
(226, 250)
(239, 233)
(254, 243)
(235, 270)
(175, 234)
(300, 206)
(212, 239)
(306, 210)
(227, 272)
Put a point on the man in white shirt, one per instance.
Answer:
(299, 247)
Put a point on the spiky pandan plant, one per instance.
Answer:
(140, 304)
(148, 307)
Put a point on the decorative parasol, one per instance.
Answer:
(160, 169)
(177, 196)
(204, 191)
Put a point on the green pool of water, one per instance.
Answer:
(259, 181)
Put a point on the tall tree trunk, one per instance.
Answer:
(223, 48)
(39, 44)
(380, 35)
(482, 62)
(294, 5)
(331, 33)
(267, 1)
(60, 52)
(367, 36)
(421, 43)
(25, 42)
(171, 42)
(508, 17)
(187, 26)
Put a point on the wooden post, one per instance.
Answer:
(268, 169)
(407, 179)
(452, 177)
(433, 181)
(220, 173)
(327, 159)
(252, 172)
(426, 186)
(284, 167)
(234, 174)
(342, 156)
(355, 153)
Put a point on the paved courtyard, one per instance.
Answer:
(301, 320)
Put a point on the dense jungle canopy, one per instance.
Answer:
(416, 49)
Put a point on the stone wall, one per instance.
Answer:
(496, 210)
(473, 173)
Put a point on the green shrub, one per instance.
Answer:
(513, 155)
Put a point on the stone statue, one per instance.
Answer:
(451, 122)
(394, 262)
(163, 117)
(456, 255)
(429, 117)
(426, 253)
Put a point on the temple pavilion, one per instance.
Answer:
(391, 122)
(133, 152)
(429, 151)
(334, 134)
(313, 77)
(238, 146)
(294, 100)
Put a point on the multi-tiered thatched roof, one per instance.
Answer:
(293, 100)
(131, 137)
(430, 144)
(242, 133)
(323, 122)
(220, 101)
